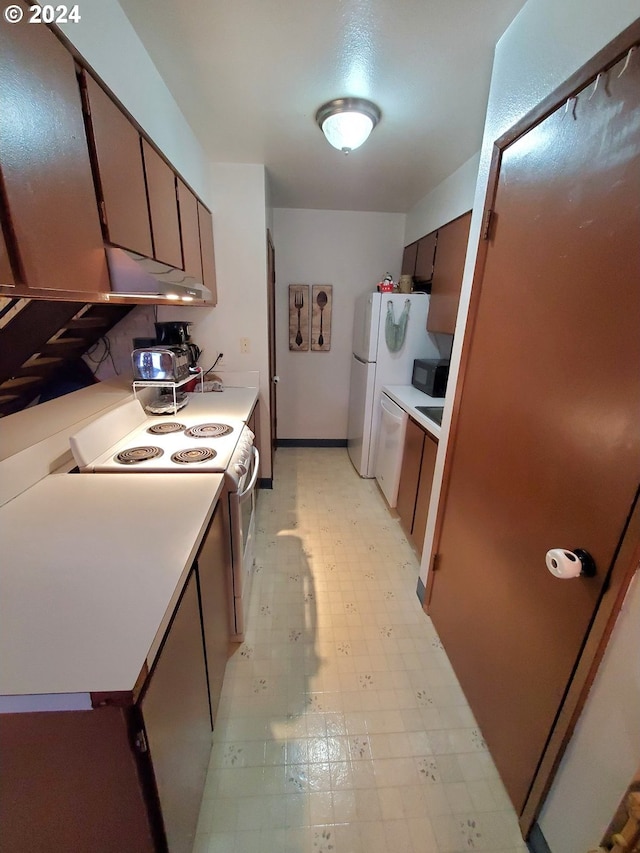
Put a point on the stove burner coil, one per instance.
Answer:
(209, 431)
(193, 454)
(165, 428)
(133, 455)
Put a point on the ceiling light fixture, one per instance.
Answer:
(347, 122)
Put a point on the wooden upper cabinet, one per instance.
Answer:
(120, 172)
(6, 273)
(190, 231)
(205, 221)
(163, 207)
(409, 259)
(447, 275)
(425, 256)
(46, 169)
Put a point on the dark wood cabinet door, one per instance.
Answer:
(447, 275)
(190, 231)
(410, 475)
(121, 172)
(216, 598)
(163, 207)
(425, 255)
(6, 273)
(546, 446)
(175, 709)
(427, 467)
(45, 164)
(205, 221)
(409, 259)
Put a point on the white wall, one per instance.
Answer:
(591, 780)
(450, 199)
(547, 42)
(351, 251)
(240, 230)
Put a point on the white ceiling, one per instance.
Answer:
(249, 76)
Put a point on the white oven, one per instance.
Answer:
(241, 496)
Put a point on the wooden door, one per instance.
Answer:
(120, 172)
(175, 709)
(163, 207)
(546, 446)
(52, 211)
(447, 275)
(273, 384)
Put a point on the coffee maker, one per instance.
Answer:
(175, 333)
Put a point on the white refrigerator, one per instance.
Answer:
(382, 355)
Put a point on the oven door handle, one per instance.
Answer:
(254, 476)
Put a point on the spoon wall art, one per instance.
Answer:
(321, 305)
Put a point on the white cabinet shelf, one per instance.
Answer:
(171, 386)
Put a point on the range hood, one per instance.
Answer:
(136, 276)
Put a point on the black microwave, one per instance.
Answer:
(430, 375)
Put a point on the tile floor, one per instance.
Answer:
(341, 725)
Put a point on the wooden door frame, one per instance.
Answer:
(271, 322)
(628, 554)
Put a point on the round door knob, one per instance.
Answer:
(275, 379)
(566, 564)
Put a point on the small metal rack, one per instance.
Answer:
(172, 386)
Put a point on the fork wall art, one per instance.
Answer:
(299, 317)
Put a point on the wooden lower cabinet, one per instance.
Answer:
(175, 711)
(124, 776)
(425, 482)
(416, 478)
(71, 781)
(216, 598)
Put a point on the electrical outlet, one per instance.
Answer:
(244, 345)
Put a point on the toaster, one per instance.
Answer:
(161, 364)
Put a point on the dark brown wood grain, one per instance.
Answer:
(447, 275)
(205, 223)
(163, 207)
(190, 231)
(544, 450)
(120, 172)
(46, 171)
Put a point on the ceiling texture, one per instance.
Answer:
(249, 76)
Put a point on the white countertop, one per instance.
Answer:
(408, 397)
(235, 403)
(92, 568)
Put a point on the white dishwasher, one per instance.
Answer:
(388, 460)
